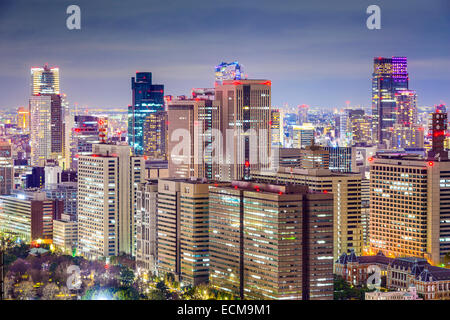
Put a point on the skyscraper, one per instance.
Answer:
(44, 80)
(84, 133)
(147, 99)
(190, 123)
(146, 218)
(277, 128)
(390, 75)
(346, 188)
(107, 184)
(228, 71)
(29, 215)
(243, 120)
(270, 241)
(46, 128)
(23, 119)
(410, 200)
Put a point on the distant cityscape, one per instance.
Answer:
(217, 194)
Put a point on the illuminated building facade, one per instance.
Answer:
(29, 215)
(342, 159)
(302, 114)
(302, 135)
(228, 71)
(277, 128)
(410, 200)
(182, 229)
(65, 233)
(6, 168)
(351, 128)
(243, 119)
(67, 192)
(85, 132)
(23, 118)
(271, 241)
(107, 183)
(431, 282)
(390, 75)
(155, 139)
(147, 99)
(346, 188)
(46, 128)
(314, 157)
(44, 80)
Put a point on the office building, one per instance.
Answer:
(107, 183)
(314, 157)
(302, 135)
(29, 215)
(147, 98)
(146, 219)
(6, 168)
(155, 139)
(286, 157)
(67, 192)
(243, 120)
(65, 234)
(302, 114)
(44, 80)
(411, 136)
(23, 119)
(228, 71)
(342, 159)
(346, 188)
(409, 199)
(190, 137)
(182, 229)
(85, 132)
(351, 127)
(46, 129)
(271, 241)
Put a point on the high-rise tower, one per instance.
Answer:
(44, 80)
(389, 76)
(144, 134)
(244, 123)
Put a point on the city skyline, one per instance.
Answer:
(289, 43)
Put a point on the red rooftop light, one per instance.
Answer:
(430, 163)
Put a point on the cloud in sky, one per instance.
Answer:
(315, 52)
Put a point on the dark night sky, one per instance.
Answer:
(315, 52)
